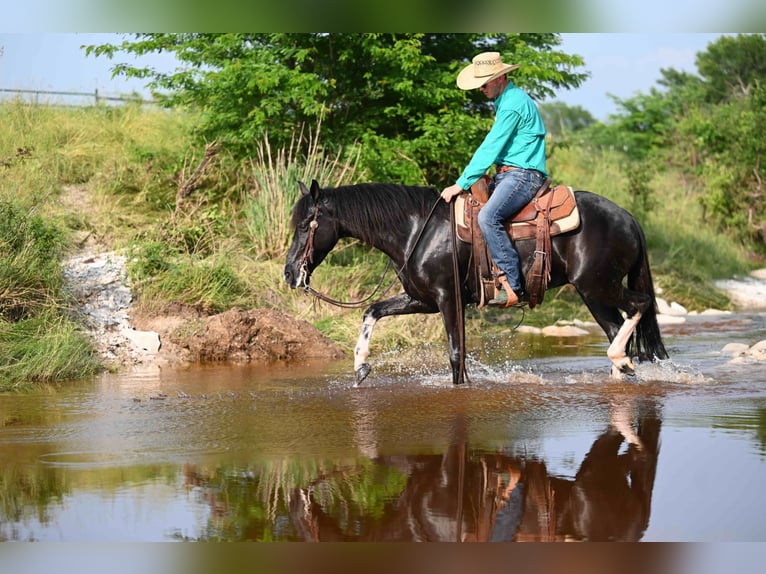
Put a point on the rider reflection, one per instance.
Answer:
(478, 497)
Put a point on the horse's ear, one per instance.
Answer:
(304, 189)
(315, 189)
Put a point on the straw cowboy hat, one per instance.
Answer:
(484, 68)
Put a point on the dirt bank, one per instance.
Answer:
(237, 335)
(124, 335)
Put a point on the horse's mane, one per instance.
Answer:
(369, 209)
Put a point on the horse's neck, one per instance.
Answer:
(395, 239)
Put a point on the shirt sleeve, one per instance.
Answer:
(487, 153)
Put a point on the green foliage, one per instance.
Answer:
(642, 200)
(210, 286)
(710, 125)
(728, 152)
(732, 66)
(390, 91)
(561, 119)
(45, 349)
(30, 249)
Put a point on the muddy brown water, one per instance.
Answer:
(541, 445)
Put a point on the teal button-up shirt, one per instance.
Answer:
(517, 137)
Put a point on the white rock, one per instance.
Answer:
(529, 330)
(148, 341)
(747, 293)
(673, 309)
(563, 331)
(758, 351)
(735, 349)
(662, 306)
(715, 312)
(678, 309)
(670, 319)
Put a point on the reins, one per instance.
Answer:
(308, 255)
(458, 296)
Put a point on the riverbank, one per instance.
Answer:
(125, 336)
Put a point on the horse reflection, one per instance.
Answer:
(477, 497)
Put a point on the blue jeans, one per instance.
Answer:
(512, 190)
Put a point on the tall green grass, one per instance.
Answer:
(274, 177)
(44, 349)
(39, 343)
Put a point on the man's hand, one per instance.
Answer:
(449, 192)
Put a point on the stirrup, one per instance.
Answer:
(506, 297)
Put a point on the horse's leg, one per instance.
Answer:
(610, 320)
(453, 318)
(621, 363)
(401, 304)
(619, 330)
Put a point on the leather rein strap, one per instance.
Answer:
(308, 256)
(462, 375)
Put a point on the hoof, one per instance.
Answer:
(628, 369)
(624, 370)
(361, 373)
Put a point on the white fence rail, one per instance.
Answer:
(69, 98)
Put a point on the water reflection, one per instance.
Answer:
(539, 450)
(463, 494)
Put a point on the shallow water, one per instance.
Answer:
(541, 445)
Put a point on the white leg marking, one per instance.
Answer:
(621, 416)
(616, 351)
(362, 350)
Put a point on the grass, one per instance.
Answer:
(686, 255)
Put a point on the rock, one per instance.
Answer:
(758, 351)
(662, 306)
(745, 293)
(178, 334)
(585, 324)
(564, 331)
(528, 329)
(148, 341)
(735, 349)
(670, 319)
(673, 309)
(743, 353)
(677, 309)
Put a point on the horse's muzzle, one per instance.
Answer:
(299, 279)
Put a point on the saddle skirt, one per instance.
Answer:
(564, 215)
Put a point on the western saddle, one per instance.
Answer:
(552, 211)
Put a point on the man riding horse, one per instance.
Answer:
(516, 146)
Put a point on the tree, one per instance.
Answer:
(560, 119)
(394, 93)
(732, 65)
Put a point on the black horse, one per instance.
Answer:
(412, 225)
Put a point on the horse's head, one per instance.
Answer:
(314, 237)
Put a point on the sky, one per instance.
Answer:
(620, 64)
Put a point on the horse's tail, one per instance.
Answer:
(646, 341)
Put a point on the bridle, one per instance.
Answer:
(308, 251)
(308, 257)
